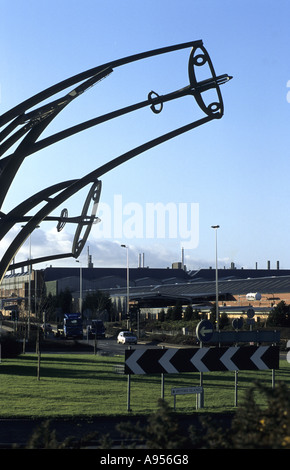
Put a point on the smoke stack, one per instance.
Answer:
(143, 260)
(278, 265)
(90, 264)
(269, 265)
(182, 258)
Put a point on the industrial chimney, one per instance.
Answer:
(90, 264)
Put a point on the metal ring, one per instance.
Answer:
(151, 96)
(62, 222)
(198, 59)
(93, 195)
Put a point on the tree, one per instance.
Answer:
(97, 302)
(267, 427)
(280, 315)
(161, 316)
(224, 320)
(43, 437)
(188, 314)
(196, 314)
(177, 311)
(213, 314)
(64, 301)
(191, 314)
(169, 314)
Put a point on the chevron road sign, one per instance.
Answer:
(174, 361)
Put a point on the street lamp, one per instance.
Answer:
(81, 287)
(127, 309)
(29, 285)
(215, 227)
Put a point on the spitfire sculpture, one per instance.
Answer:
(25, 128)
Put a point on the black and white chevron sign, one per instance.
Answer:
(174, 361)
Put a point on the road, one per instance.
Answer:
(110, 347)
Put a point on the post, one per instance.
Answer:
(127, 306)
(129, 393)
(162, 384)
(236, 388)
(29, 291)
(0, 339)
(273, 370)
(95, 344)
(24, 338)
(273, 378)
(216, 278)
(138, 323)
(29, 285)
(38, 364)
(81, 287)
(200, 398)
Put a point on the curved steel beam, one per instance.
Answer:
(48, 92)
(80, 184)
(17, 215)
(36, 121)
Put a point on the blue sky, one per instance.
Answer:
(235, 170)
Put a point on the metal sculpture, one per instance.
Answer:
(33, 123)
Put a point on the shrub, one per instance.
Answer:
(10, 347)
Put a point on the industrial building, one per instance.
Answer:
(153, 289)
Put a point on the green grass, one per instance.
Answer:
(86, 385)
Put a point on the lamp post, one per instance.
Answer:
(81, 287)
(127, 306)
(215, 227)
(29, 285)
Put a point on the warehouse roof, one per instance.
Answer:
(264, 285)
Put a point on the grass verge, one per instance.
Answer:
(87, 385)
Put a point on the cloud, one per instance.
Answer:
(40, 244)
(105, 253)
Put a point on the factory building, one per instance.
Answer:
(152, 289)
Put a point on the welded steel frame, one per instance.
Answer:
(33, 123)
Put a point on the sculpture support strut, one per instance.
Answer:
(36, 121)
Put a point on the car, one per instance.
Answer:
(126, 337)
(46, 327)
(96, 329)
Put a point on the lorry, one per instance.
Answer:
(96, 329)
(73, 325)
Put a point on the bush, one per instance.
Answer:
(10, 347)
(255, 426)
(162, 430)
